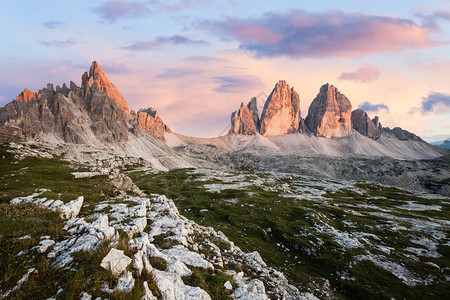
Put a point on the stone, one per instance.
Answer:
(44, 245)
(125, 282)
(188, 257)
(364, 125)
(147, 293)
(242, 121)
(85, 296)
(253, 107)
(115, 261)
(148, 119)
(329, 114)
(172, 287)
(252, 290)
(72, 209)
(281, 113)
(228, 286)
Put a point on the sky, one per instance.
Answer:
(195, 61)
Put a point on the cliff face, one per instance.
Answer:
(148, 119)
(364, 125)
(245, 120)
(96, 111)
(281, 113)
(330, 114)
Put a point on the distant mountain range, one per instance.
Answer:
(442, 144)
(97, 114)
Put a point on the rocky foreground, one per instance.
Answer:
(142, 220)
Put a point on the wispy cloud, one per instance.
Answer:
(177, 72)
(364, 74)
(53, 24)
(434, 102)
(367, 106)
(204, 58)
(162, 41)
(298, 34)
(238, 84)
(111, 11)
(431, 20)
(58, 43)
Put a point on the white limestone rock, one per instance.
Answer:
(115, 261)
(147, 293)
(44, 245)
(172, 287)
(188, 257)
(125, 282)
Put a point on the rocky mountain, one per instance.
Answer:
(148, 119)
(364, 125)
(94, 114)
(243, 121)
(281, 113)
(329, 115)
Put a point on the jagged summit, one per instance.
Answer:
(329, 115)
(98, 79)
(27, 96)
(281, 113)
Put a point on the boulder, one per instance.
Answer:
(115, 261)
(329, 115)
(281, 113)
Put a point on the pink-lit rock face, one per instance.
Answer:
(149, 120)
(243, 122)
(27, 96)
(97, 79)
(281, 114)
(330, 114)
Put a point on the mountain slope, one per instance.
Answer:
(94, 115)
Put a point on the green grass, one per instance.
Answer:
(211, 281)
(282, 231)
(20, 178)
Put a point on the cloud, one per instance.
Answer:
(298, 34)
(161, 41)
(53, 24)
(431, 20)
(237, 84)
(204, 58)
(367, 106)
(365, 74)
(435, 102)
(114, 67)
(58, 43)
(112, 11)
(177, 72)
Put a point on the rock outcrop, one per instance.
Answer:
(364, 125)
(244, 121)
(400, 134)
(98, 80)
(281, 113)
(330, 114)
(27, 96)
(148, 119)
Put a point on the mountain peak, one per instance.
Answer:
(330, 113)
(96, 71)
(98, 80)
(281, 113)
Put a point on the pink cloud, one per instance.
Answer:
(298, 34)
(364, 74)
